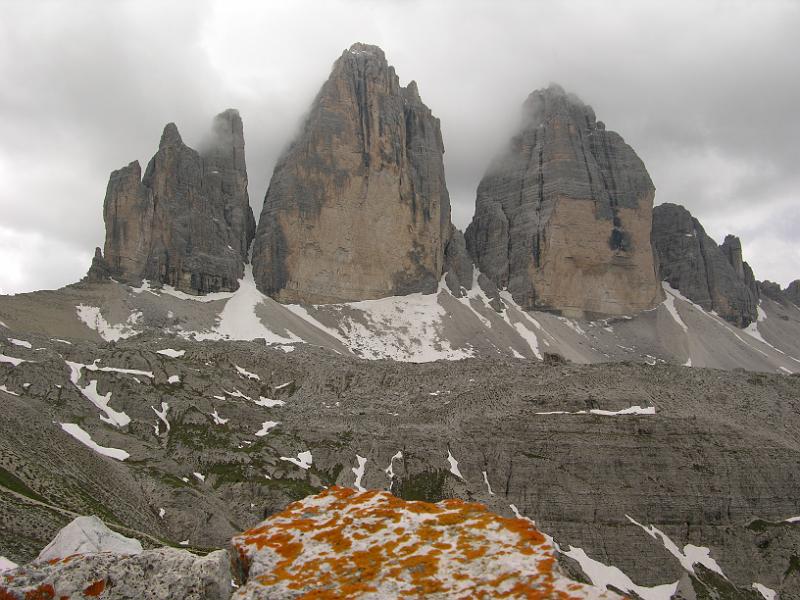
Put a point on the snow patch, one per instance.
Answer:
(669, 303)
(174, 379)
(603, 576)
(454, 466)
(217, 419)
(111, 416)
(268, 402)
(303, 460)
(390, 469)
(769, 594)
(3, 388)
(14, 362)
(246, 373)
(199, 476)
(94, 320)
(84, 438)
(162, 415)
(171, 352)
(22, 343)
(689, 556)
(488, 485)
(265, 427)
(631, 410)
(359, 473)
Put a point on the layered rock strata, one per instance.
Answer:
(562, 217)
(188, 221)
(357, 207)
(715, 277)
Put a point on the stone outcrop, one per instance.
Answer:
(99, 271)
(715, 277)
(188, 221)
(562, 217)
(150, 575)
(357, 207)
(372, 544)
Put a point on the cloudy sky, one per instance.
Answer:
(707, 93)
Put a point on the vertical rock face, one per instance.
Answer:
(562, 218)
(792, 292)
(357, 207)
(715, 277)
(188, 221)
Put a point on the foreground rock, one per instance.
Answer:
(188, 222)
(715, 277)
(161, 574)
(562, 218)
(88, 535)
(357, 207)
(346, 544)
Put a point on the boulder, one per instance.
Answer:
(562, 216)
(357, 207)
(345, 543)
(161, 574)
(87, 535)
(187, 222)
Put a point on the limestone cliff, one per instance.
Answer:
(188, 221)
(562, 217)
(715, 277)
(357, 207)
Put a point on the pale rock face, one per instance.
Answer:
(188, 221)
(357, 207)
(715, 277)
(87, 535)
(562, 218)
(150, 575)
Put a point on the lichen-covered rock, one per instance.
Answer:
(188, 221)
(165, 573)
(357, 207)
(715, 277)
(346, 544)
(562, 217)
(88, 535)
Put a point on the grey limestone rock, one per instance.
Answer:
(792, 292)
(357, 207)
(160, 574)
(188, 221)
(562, 217)
(715, 277)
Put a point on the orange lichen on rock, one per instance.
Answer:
(95, 589)
(347, 544)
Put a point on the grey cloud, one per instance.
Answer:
(705, 93)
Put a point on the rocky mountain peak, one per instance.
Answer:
(187, 222)
(170, 136)
(562, 216)
(715, 277)
(357, 207)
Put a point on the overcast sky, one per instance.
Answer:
(707, 93)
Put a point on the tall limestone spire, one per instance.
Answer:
(357, 207)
